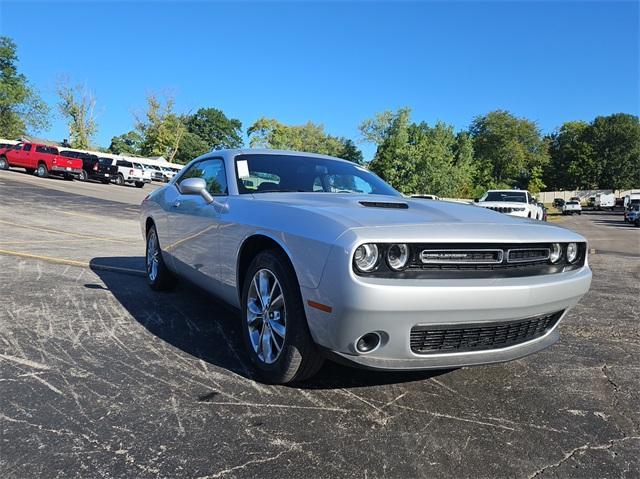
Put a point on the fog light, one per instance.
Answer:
(368, 343)
(572, 252)
(556, 253)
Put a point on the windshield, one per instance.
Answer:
(572, 203)
(510, 196)
(283, 173)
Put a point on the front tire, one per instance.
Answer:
(159, 277)
(274, 324)
(4, 164)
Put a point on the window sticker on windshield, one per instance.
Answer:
(243, 169)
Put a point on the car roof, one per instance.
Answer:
(267, 151)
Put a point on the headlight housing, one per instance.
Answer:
(398, 256)
(365, 257)
(572, 253)
(556, 253)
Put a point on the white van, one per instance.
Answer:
(605, 201)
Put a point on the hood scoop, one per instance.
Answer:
(382, 204)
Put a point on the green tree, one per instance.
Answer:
(310, 137)
(161, 128)
(507, 148)
(418, 158)
(215, 128)
(349, 151)
(615, 140)
(126, 144)
(21, 109)
(208, 129)
(572, 164)
(77, 104)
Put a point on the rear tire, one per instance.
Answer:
(4, 164)
(83, 176)
(120, 180)
(286, 327)
(42, 171)
(159, 277)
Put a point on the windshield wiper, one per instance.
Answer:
(281, 191)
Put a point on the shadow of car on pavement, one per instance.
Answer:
(196, 323)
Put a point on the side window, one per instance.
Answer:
(18, 146)
(27, 147)
(212, 172)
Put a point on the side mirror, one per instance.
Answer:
(195, 186)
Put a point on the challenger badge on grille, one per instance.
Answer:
(473, 256)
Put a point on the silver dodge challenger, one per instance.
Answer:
(324, 259)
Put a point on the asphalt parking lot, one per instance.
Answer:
(101, 377)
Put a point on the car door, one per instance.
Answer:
(26, 159)
(193, 225)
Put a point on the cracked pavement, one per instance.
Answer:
(101, 377)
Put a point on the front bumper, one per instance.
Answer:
(392, 307)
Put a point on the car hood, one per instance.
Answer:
(420, 220)
(378, 210)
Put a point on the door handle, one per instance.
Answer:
(176, 203)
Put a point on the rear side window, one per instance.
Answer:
(124, 163)
(105, 161)
(47, 149)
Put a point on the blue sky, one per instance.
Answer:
(335, 63)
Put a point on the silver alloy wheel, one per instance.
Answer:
(152, 256)
(41, 170)
(266, 316)
(3, 164)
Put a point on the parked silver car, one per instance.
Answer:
(323, 258)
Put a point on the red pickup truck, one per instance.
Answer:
(42, 159)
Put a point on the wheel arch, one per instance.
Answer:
(252, 246)
(149, 222)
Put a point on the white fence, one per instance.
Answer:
(548, 196)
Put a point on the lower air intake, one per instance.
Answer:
(480, 336)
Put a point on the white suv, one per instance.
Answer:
(571, 207)
(512, 202)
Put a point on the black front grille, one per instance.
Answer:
(453, 338)
(502, 209)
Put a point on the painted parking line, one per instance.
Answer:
(73, 262)
(76, 235)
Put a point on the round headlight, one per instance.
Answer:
(397, 256)
(572, 252)
(556, 253)
(366, 257)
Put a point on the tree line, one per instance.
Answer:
(497, 150)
